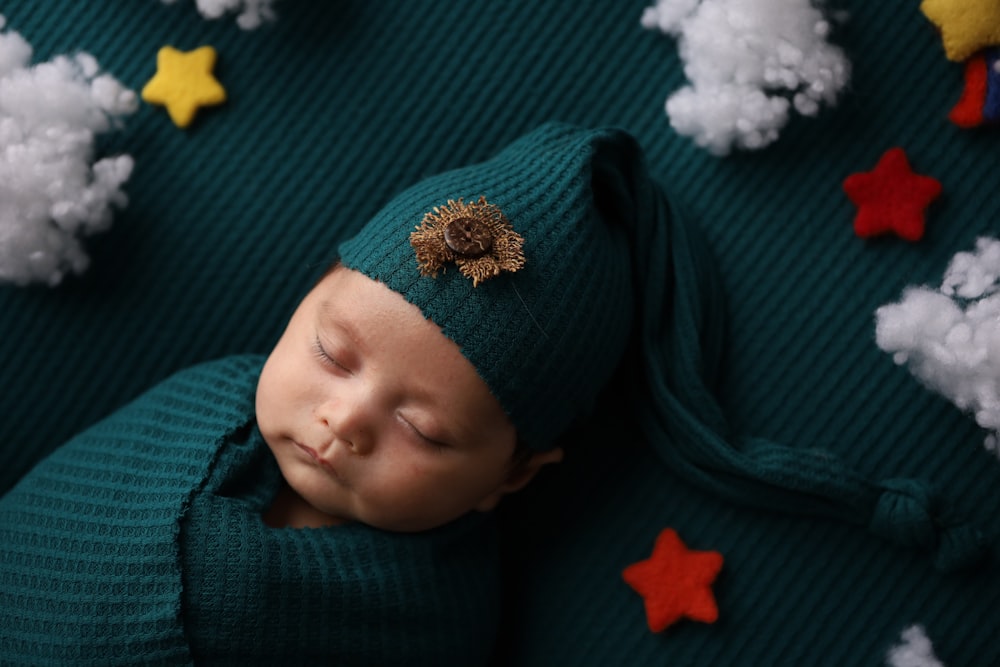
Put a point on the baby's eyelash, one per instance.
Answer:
(319, 351)
(324, 356)
(429, 441)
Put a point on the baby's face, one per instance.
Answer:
(375, 416)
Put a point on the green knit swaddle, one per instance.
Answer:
(141, 541)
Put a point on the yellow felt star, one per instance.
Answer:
(183, 83)
(966, 26)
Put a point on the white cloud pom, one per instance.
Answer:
(950, 337)
(749, 63)
(50, 194)
(252, 12)
(914, 650)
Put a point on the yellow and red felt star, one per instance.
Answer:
(675, 582)
(184, 83)
(891, 198)
(966, 25)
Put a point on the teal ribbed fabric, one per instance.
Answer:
(141, 542)
(337, 107)
(90, 571)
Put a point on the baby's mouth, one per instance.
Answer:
(319, 460)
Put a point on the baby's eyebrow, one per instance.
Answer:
(330, 316)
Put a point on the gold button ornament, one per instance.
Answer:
(476, 237)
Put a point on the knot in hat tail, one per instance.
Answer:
(908, 513)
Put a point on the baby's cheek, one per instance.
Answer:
(277, 382)
(412, 497)
(267, 412)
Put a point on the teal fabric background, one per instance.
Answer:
(341, 104)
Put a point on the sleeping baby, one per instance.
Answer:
(332, 502)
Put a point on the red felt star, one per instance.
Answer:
(968, 112)
(891, 198)
(675, 582)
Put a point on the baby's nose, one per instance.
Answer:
(347, 422)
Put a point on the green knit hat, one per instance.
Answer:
(607, 259)
(546, 336)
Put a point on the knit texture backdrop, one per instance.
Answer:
(337, 106)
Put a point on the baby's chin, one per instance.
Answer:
(394, 522)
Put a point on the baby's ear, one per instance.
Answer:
(520, 476)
